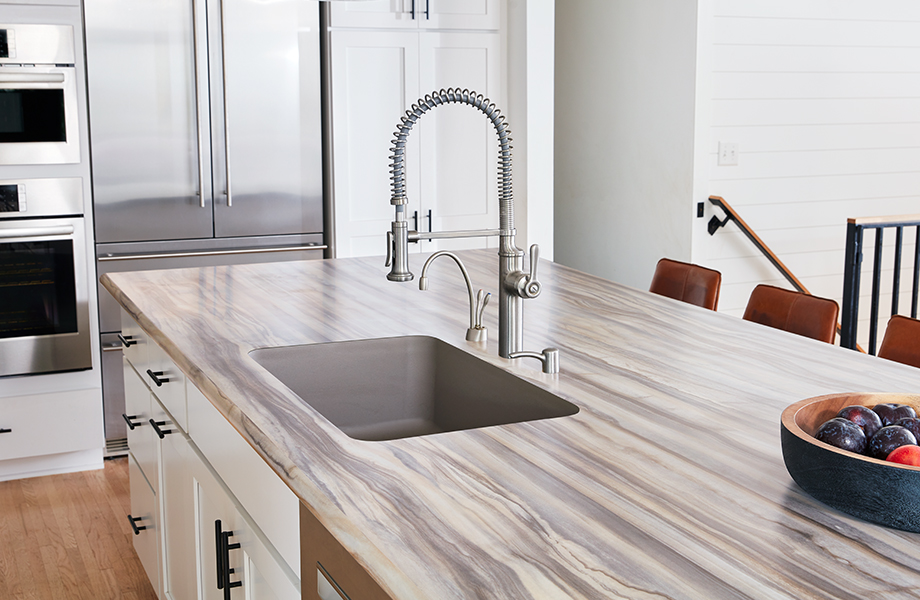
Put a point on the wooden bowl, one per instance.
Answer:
(867, 488)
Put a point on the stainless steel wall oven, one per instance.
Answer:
(44, 308)
(38, 95)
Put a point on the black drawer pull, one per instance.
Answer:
(157, 377)
(128, 341)
(133, 521)
(4, 430)
(223, 548)
(156, 427)
(131, 424)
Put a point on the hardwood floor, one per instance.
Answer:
(68, 537)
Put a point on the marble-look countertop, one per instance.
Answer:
(668, 483)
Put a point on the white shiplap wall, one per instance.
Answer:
(823, 99)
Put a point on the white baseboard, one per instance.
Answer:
(51, 464)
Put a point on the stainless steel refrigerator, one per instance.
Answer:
(206, 141)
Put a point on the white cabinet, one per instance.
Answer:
(178, 517)
(145, 522)
(180, 490)
(418, 14)
(233, 554)
(452, 152)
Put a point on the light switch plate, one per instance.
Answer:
(728, 154)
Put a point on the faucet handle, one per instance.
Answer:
(530, 286)
(389, 249)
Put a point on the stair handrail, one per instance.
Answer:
(715, 223)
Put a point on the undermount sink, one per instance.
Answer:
(393, 388)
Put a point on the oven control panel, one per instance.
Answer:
(57, 197)
(12, 198)
(34, 44)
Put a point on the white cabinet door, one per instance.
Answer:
(460, 14)
(419, 14)
(389, 14)
(459, 157)
(374, 80)
(146, 524)
(178, 518)
(257, 570)
(141, 439)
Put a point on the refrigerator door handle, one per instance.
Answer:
(197, 69)
(223, 67)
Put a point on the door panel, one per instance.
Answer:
(144, 121)
(375, 79)
(178, 525)
(143, 512)
(460, 14)
(268, 120)
(390, 14)
(459, 167)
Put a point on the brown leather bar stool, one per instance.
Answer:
(794, 312)
(686, 282)
(902, 341)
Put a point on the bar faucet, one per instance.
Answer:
(514, 285)
(476, 332)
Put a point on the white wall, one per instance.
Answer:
(624, 151)
(823, 98)
(530, 48)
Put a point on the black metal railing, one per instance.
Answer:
(852, 272)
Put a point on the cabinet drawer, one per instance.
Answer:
(141, 439)
(143, 513)
(272, 505)
(49, 424)
(167, 383)
(135, 342)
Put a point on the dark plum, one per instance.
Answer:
(911, 424)
(863, 416)
(887, 439)
(886, 413)
(903, 411)
(843, 434)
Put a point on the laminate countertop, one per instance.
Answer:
(668, 483)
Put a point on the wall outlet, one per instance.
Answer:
(728, 154)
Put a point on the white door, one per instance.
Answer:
(374, 80)
(459, 157)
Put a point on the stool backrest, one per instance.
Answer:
(902, 341)
(687, 282)
(794, 312)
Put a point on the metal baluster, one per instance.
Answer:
(916, 287)
(896, 277)
(851, 276)
(876, 284)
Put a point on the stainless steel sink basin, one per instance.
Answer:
(392, 388)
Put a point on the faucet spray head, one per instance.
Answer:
(423, 283)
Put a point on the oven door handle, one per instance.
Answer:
(31, 78)
(21, 232)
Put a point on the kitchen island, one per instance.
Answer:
(668, 483)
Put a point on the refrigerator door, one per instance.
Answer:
(266, 119)
(151, 166)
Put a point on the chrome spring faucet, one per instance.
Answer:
(514, 285)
